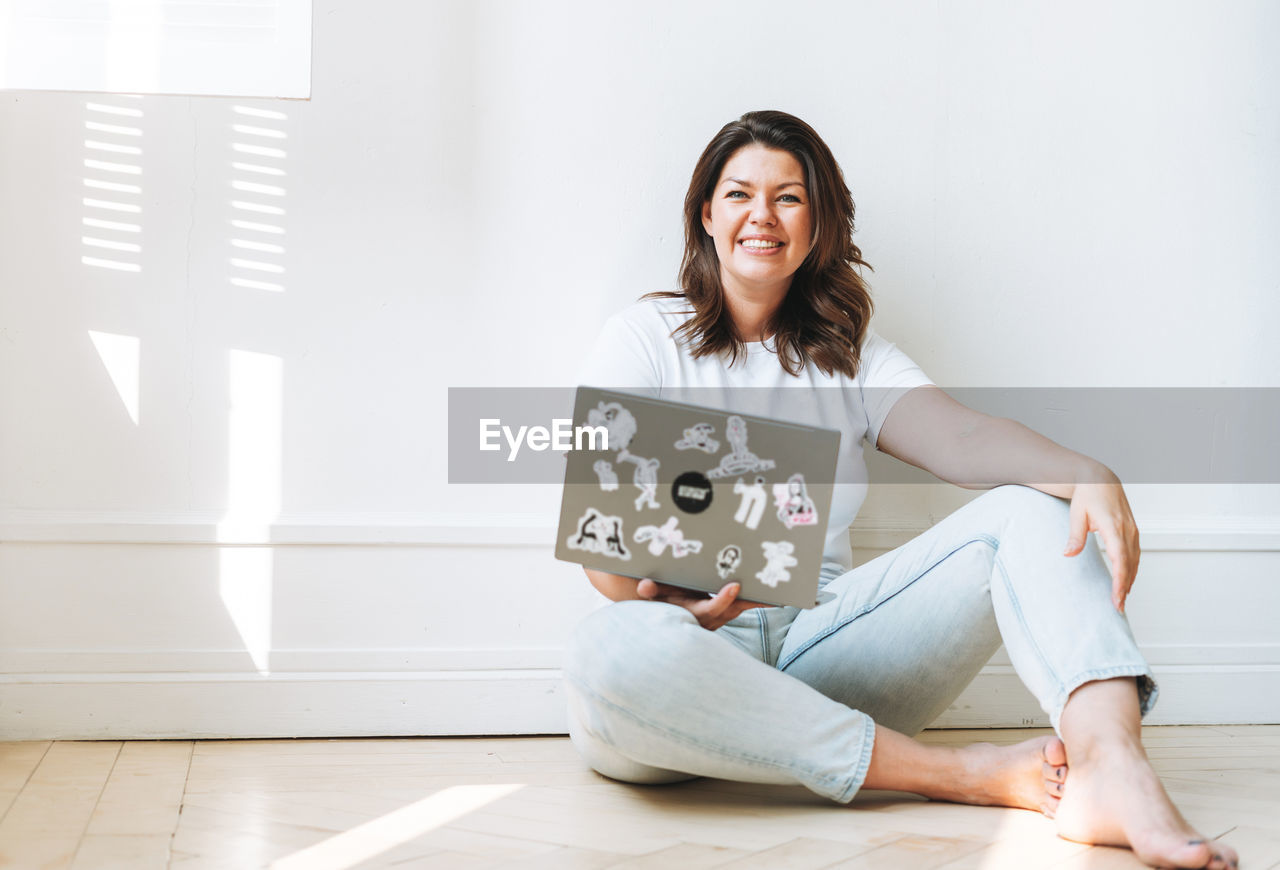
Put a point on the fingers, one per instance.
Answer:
(711, 612)
(655, 591)
(1117, 558)
(715, 611)
(723, 600)
(1103, 508)
(1123, 556)
(1079, 530)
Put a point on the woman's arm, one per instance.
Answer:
(930, 430)
(615, 587)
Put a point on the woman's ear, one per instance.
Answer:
(706, 217)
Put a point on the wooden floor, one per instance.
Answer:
(529, 802)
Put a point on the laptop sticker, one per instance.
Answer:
(617, 421)
(599, 533)
(608, 477)
(646, 478)
(667, 535)
(753, 502)
(692, 492)
(778, 557)
(698, 437)
(795, 508)
(727, 561)
(739, 460)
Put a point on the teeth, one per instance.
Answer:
(760, 243)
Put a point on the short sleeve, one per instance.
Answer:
(885, 375)
(622, 358)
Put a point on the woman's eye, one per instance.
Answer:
(786, 197)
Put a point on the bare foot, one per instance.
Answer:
(1013, 776)
(1114, 798)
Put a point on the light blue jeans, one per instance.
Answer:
(782, 695)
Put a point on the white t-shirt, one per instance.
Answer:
(636, 353)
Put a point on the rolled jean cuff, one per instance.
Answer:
(863, 763)
(1148, 689)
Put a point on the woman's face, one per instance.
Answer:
(759, 216)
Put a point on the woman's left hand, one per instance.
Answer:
(1103, 508)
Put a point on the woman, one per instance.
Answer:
(667, 684)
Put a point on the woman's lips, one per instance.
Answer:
(761, 251)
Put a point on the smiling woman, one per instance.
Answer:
(758, 216)
(769, 216)
(668, 683)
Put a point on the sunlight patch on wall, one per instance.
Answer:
(121, 354)
(113, 156)
(256, 393)
(258, 175)
(246, 577)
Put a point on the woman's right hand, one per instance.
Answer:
(711, 612)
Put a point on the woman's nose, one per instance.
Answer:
(762, 211)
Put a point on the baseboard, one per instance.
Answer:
(1240, 685)
(1189, 695)
(205, 706)
(108, 693)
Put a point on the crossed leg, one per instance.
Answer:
(659, 699)
(918, 622)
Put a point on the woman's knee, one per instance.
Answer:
(619, 652)
(599, 752)
(1025, 503)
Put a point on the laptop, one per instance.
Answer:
(697, 497)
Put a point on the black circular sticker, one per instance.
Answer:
(692, 492)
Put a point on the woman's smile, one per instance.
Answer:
(762, 246)
(759, 216)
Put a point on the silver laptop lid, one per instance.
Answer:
(697, 497)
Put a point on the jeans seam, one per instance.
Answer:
(864, 762)
(817, 638)
(1022, 620)
(698, 744)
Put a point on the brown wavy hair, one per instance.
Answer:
(823, 318)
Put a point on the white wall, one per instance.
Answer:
(1050, 195)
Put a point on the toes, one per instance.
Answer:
(1049, 806)
(1054, 752)
(1054, 789)
(1228, 854)
(1195, 853)
(1224, 858)
(1220, 856)
(1054, 773)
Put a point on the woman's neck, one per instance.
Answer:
(752, 311)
